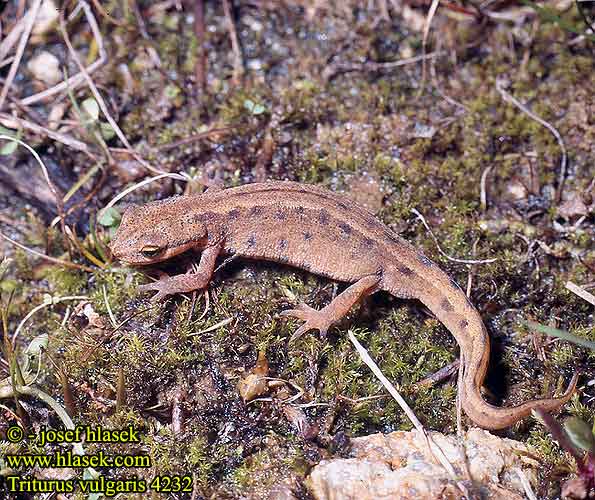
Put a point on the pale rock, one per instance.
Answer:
(45, 67)
(399, 466)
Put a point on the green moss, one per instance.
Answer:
(64, 281)
(279, 459)
(200, 460)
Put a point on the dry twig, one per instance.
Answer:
(238, 63)
(32, 15)
(442, 252)
(336, 68)
(98, 97)
(200, 70)
(581, 292)
(14, 122)
(424, 42)
(510, 98)
(64, 263)
(434, 449)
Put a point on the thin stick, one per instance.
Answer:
(107, 15)
(200, 70)
(213, 327)
(483, 197)
(193, 138)
(434, 449)
(438, 376)
(117, 198)
(510, 98)
(424, 42)
(459, 399)
(11, 38)
(91, 84)
(581, 292)
(108, 307)
(57, 196)
(526, 484)
(238, 65)
(442, 94)
(46, 303)
(20, 49)
(13, 122)
(64, 263)
(333, 69)
(452, 259)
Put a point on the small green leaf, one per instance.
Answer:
(7, 131)
(254, 108)
(91, 109)
(107, 132)
(10, 146)
(37, 344)
(580, 434)
(172, 91)
(562, 334)
(110, 217)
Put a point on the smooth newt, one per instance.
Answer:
(324, 233)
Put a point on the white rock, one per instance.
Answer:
(45, 67)
(399, 466)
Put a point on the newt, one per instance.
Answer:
(325, 233)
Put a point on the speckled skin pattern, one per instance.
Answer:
(324, 233)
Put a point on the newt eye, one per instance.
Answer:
(150, 251)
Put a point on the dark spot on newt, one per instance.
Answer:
(346, 228)
(307, 235)
(206, 217)
(405, 271)
(447, 306)
(256, 210)
(342, 205)
(233, 214)
(251, 241)
(424, 260)
(280, 215)
(299, 210)
(463, 324)
(282, 244)
(324, 217)
(368, 242)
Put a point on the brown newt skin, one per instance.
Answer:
(324, 233)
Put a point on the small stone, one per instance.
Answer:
(400, 466)
(45, 67)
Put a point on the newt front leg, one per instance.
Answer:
(186, 282)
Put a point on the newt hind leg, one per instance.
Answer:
(324, 318)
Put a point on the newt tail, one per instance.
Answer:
(466, 325)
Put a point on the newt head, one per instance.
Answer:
(156, 232)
